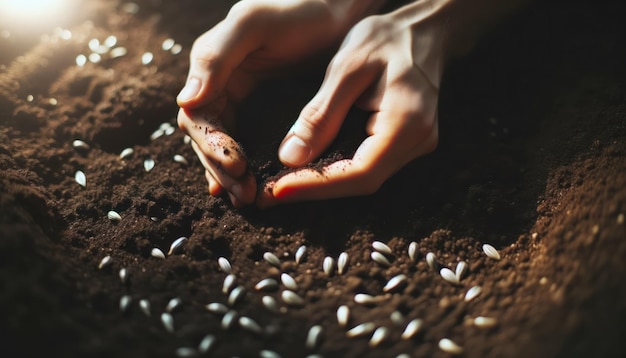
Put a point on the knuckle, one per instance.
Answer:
(182, 120)
(313, 117)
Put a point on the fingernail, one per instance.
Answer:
(237, 191)
(190, 91)
(294, 151)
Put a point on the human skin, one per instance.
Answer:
(389, 65)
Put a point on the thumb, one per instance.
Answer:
(347, 77)
(215, 55)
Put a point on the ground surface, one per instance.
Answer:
(532, 159)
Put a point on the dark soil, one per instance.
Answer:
(532, 159)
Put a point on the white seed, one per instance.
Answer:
(180, 159)
(176, 49)
(236, 295)
(168, 321)
(271, 259)
(145, 306)
(229, 283)
(249, 324)
(93, 44)
(167, 44)
(313, 337)
(177, 244)
(403, 355)
(114, 216)
(343, 315)
(216, 307)
(118, 52)
(491, 252)
(328, 265)
(485, 322)
(206, 343)
(187, 139)
(431, 260)
(473, 293)
(184, 352)
(412, 328)
(228, 319)
(288, 282)
(146, 58)
(448, 346)
(173, 304)
(110, 41)
(80, 144)
(156, 252)
(126, 153)
(267, 284)
(123, 275)
(461, 268)
(125, 302)
(449, 276)
(224, 265)
(342, 263)
(148, 164)
(361, 330)
(379, 336)
(380, 259)
(300, 253)
(106, 261)
(365, 299)
(80, 178)
(130, 8)
(397, 317)
(291, 298)
(270, 303)
(381, 247)
(266, 353)
(81, 60)
(413, 251)
(95, 57)
(394, 283)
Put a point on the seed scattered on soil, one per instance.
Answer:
(206, 343)
(173, 304)
(380, 335)
(249, 324)
(431, 260)
(176, 49)
(229, 283)
(473, 293)
(130, 8)
(177, 245)
(343, 315)
(413, 251)
(123, 275)
(95, 58)
(126, 153)
(397, 318)
(156, 252)
(144, 305)
(461, 268)
(146, 58)
(412, 328)
(381, 247)
(365, 299)
(291, 298)
(266, 353)
(110, 41)
(167, 44)
(118, 52)
(342, 263)
(224, 265)
(300, 254)
(288, 282)
(180, 159)
(491, 252)
(81, 60)
(449, 276)
(270, 303)
(485, 322)
(236, 295)
(448, 346)
(125, 302)
(271, 259)
(80, 178)
(114, 216)
(313, 337)
(380, 259)
(106, 261)
(148, 164)
(267, 284)
(394, 283)
(362, 329)
(228, 320)
(185, 352)
(168, 322)
(79, 144)
(328, 265)
(216, 307)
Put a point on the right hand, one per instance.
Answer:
(256, 39)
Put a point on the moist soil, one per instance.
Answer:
(532, 159)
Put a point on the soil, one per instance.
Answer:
(532, 159)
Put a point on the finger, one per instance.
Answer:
(244, 188)
(216, 53)
(205, 129)
(347, 77)
(215, 188)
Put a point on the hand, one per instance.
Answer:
(256, 38)
(390, 65)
